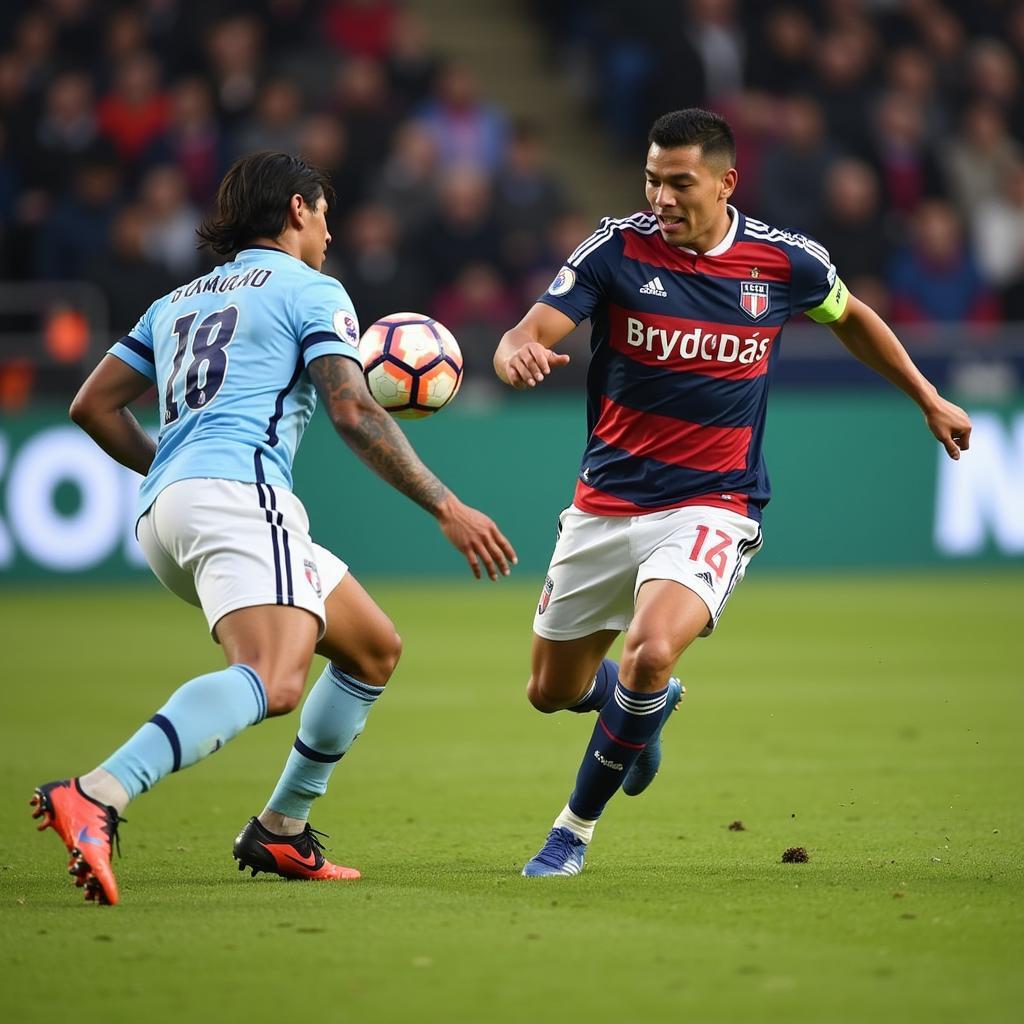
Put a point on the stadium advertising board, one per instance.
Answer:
(857, 482)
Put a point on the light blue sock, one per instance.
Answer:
(332, 717)
(201, 716)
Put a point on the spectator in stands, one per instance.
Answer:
(844, 65)
(907, 166)
(477, 307)
(793, 169)
(463, 230)
(716, 34)
(378, 273)
(979, 159)
(910, 72)
(993, 75)
(169, 239)
(527, 197)
(192, 141)
(464, 129)
(126, 274)
(275, 122)
(323, 141)
(363, 102)
(998, 231)
(935, 278)
(360, 27)
(853, 228)
(79, 225)
(783, 60)
(34, 48)
(407, 181)
(136, 110)
(234, 49)
(412, 66)
(65, 132)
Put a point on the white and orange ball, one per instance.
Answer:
(413, 364)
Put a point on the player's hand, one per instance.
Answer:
(951, 425)
(477, 537)
(531, 363)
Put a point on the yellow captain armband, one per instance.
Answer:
(834, 305)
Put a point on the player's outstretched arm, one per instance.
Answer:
(524, 357)
(870, 339)
(100, 409)
(371, 433)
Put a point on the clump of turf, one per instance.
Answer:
(795, 855)
(737, 826)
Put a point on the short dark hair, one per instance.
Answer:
(253, 198)
(695, 127)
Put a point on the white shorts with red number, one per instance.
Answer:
(600, 563)
(225, 545)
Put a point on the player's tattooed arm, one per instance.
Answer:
(371, 433)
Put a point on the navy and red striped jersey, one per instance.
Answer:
(682, 349)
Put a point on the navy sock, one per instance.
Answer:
(623, 728)
(601, 689)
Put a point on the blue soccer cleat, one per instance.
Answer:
(561, 854)
(646, 766)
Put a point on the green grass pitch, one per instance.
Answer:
(874, 720)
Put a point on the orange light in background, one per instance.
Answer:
(66, 334)
(16, 380)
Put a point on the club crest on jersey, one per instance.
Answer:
(312, 576)
(754, 298)
(563, 282)
(545, 595)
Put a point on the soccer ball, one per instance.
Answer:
(413, 364)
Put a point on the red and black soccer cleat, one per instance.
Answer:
(87, 828)
(298, 856)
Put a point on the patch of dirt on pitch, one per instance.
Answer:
(737, 826)
(795, 855)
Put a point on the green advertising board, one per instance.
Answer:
(858, 482)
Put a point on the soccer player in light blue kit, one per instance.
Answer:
(237, 357)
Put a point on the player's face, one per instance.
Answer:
(316, 237)
(688, 196)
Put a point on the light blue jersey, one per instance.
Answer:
(228, 354)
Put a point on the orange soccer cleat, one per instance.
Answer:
(298, 856)
(89, 831)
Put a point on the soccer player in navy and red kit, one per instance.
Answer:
(686, 303)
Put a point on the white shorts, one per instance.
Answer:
(224, 545)
(600, 562)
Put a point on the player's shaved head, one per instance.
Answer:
(696, 127)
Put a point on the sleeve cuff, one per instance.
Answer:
(131, 351)
(327, 343)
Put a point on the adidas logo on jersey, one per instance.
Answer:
(654, 287)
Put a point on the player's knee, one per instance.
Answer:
(648, 664)
(384, 660)
(544, 696)
(284, 694)
(283, 685)
(376, 664)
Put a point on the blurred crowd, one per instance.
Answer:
(117, 119)
(892, 130)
